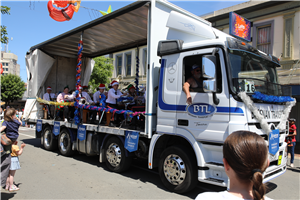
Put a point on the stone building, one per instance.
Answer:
(9, 64)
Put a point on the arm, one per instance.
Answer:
(294, 131)
(113, 95)
(21, 150)
(186, 89)
(2, 128)
(96, 100)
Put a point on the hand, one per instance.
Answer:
(189, 100)
(66, 96)
(23, 145)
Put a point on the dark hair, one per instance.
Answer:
(8, 114)
(247, 154)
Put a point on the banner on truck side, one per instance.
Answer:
(39, 125)
(131, 140)
(81, 133)
(56, 128)
(274, 141)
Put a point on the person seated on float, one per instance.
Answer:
(85, 93)
(68, 111)
(113, 94)
(48, 96)
(84, 99)
(99, 99)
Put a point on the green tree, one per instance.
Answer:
(12, 88)
(4, 38)
(101, 73)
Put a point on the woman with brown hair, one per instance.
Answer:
(245, 158)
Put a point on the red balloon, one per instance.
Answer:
(61, 4)
(61, 15)
(1, 70)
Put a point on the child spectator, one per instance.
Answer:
(11, 124)
(15, 165)
(245, 158)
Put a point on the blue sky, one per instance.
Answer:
(29, 23)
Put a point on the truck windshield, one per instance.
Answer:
(251, 72)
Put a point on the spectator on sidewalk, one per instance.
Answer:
(15, 165)
(245, 158)
(292, 142)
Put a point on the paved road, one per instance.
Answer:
(48, 175)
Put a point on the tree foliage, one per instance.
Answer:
(12, 88)
(102, 72)
(4, 38)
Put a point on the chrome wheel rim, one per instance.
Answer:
(174, 169)
(47, 137)
(63, 141)
(113, 154)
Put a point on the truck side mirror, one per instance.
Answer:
(209, 73)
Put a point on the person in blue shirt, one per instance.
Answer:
(11, 124)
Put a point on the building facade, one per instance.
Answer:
(276, 31)
(125, 65)
(9, 64)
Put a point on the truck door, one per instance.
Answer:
(205, 120)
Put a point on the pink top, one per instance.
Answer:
(61, 98)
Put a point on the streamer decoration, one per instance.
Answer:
(263, 123)
(77, 116)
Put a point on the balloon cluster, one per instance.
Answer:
(78, 72)
(64, 14)
(137, 76)
(1, 69)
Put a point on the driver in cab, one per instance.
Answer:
(194, 83)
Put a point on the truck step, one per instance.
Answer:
(214, 180)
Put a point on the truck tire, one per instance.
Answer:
(178, 169)
(65, 143)
(115, 157)
(48, 139)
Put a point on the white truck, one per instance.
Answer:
(183, 141)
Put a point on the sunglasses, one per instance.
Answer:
(198, 70)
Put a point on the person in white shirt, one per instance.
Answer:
(245, 158)
(113, 94)
(48, 96)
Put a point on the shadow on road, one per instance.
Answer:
(138, 171)
(36, 142)
(270, 187)
(296, 169)
(7, 195)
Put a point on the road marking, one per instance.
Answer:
(26, 135)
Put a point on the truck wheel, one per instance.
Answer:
(178, 169)
(115, 158)
(48, 139)
(65, 143)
